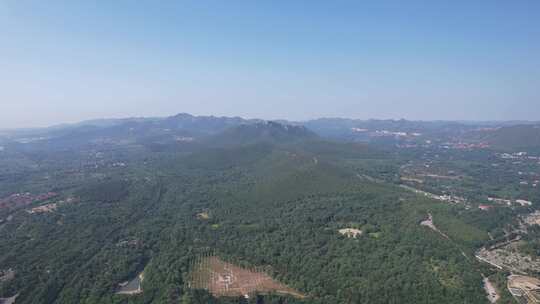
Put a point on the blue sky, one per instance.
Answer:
(65, 61)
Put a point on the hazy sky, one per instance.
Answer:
(64, 61)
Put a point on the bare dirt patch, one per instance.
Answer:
(52, 206)
(224, 279)
(491, 292)
(132, 287)
(524, 289)
(44, 208)
(509, 257)
(429, 223)
(533, 218)
(20, 200)
(412, 179)
(7, 275)
(129, 243)
(440, 176)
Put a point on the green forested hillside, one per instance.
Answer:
(270, 205)
(511, 138)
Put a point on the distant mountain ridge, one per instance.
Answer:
(516, 137)
(265, 131)
(185, 129)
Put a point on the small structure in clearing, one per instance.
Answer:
(429, 223)
(350, 232)
(491, 292)
(203, 215)
(485, 207)
(224, 279)
(44, 208)
(132, 287)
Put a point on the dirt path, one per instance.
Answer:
(491, 292)
(429, 223)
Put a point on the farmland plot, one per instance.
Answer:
(224, 279)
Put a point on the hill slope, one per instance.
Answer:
(510, 138)
(261, 132)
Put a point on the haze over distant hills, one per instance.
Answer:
(188, 130)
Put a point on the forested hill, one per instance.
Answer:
(275, 197)
(268, 132)
(182, 129)
(510, 138)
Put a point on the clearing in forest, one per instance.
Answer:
(350, 232)
(44, 208)
(509, 257)
(533, 218)
(203, 215)
(224, 279)
(491, 291)
(524, 289)
(132, 287)
(429, 223)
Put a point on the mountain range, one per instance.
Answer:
(185, 131)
